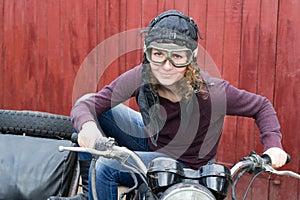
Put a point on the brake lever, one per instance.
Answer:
(270, 169)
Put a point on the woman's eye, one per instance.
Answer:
(158, 54)
(177, 56)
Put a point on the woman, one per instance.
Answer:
(182, 109)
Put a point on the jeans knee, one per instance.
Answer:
(106, 168)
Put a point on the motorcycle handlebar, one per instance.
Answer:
(254, 161)
(104, 143)
(74, 137)
(99, 144)
(107, 147)
(267, 159)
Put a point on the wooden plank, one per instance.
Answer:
(111, 24)
(182, 6)
(287, 93)
(267, 54)
(9, 23)
(21, 62)
(231, 62)
(71, 15)
(22, 55)
(112, 20)
(248, 71)
(164, 5)
(29, 65)
(249, 45)
(232, 40)
(101, 26)
(122, 29)
(149, 11)
(284, 187)
(84, 37)
(214, 37)
(1, 54)
(198, 11)
(43, 84)
(79, 36)
(54, 55)
(134, 21)
(267, 49)
(259, 188)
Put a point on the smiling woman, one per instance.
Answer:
(252, 44)
(182, 108)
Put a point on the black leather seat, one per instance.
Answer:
(33, 168)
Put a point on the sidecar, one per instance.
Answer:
(31, 167)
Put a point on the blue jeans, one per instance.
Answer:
(127, 127)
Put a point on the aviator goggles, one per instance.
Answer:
(179, 56)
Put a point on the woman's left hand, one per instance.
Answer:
(277, 155)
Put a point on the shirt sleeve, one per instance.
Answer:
(243, 103)
(118, 91)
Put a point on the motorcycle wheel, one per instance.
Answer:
(35, 123)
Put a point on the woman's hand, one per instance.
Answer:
(278, 156)
(88, 134)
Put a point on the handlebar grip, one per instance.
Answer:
(74, 137)
(268, 160)
(100, 144)
(103, 143)
(288, 158)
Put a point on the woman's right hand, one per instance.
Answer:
(88, 134)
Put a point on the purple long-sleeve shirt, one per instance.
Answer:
(193, 139)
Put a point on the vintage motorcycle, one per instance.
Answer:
(31, 166)
(165, 179)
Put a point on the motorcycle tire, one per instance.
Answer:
(35, 123)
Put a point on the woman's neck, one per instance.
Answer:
(169, 93)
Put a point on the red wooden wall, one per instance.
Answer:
(255, 44)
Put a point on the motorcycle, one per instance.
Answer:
(166, 179)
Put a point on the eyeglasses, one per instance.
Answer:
(178, 56)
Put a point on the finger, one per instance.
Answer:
(279, 161)
(79, 141)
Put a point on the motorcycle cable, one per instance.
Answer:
(235, 183)
(93, 178)
(133, 168)
(251, 182)
(131, 171)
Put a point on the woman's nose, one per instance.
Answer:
(167, 65)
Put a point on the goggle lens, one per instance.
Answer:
(179, 58)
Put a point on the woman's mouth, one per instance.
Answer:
(166, 75)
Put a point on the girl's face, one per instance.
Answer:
(162, 64)
(166, 73)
